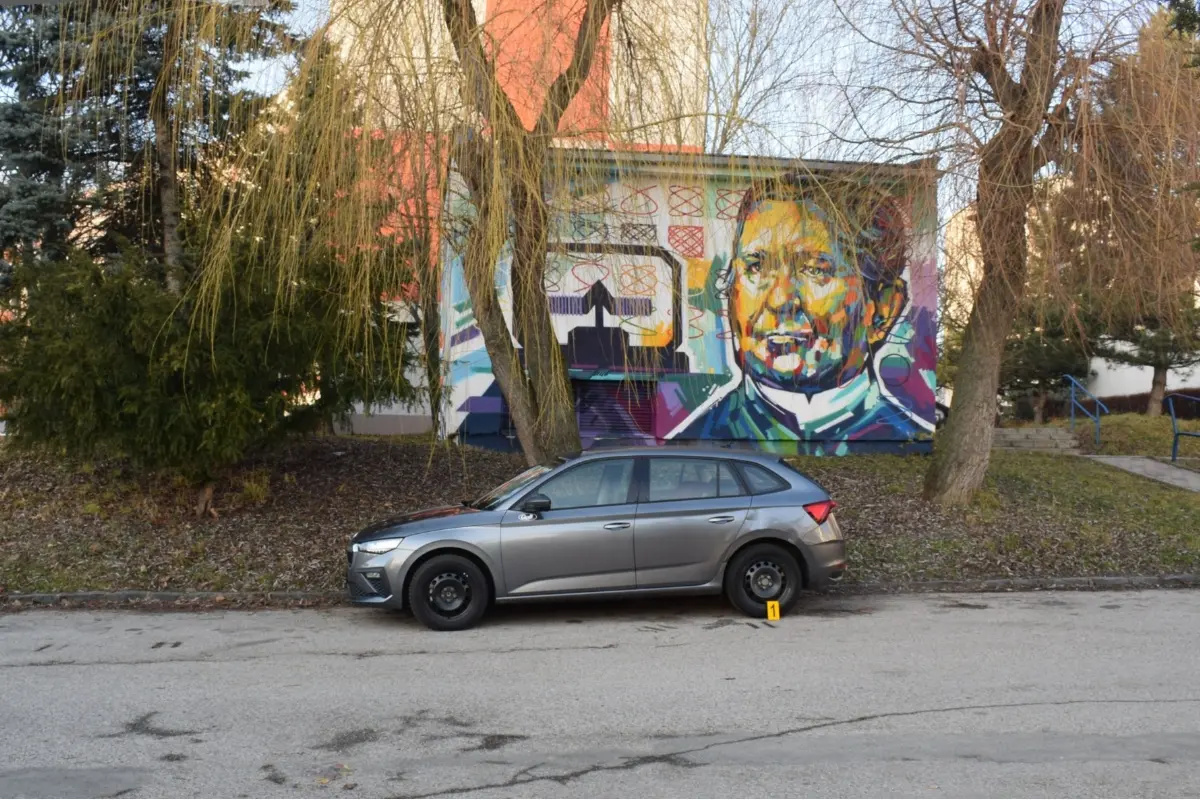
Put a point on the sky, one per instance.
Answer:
(270, 76)
(801, 122)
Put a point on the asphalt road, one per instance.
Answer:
(939, 696)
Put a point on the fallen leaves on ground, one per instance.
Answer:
(286, 517)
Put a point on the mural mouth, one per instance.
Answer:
(782, 342)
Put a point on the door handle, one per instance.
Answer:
(616, 526)
(721, 520)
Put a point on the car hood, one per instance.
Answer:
(430, 519)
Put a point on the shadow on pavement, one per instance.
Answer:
(637, 612)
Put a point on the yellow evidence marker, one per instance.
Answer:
(772, 610)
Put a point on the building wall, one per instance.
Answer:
(962, 268)
(649, 93)
(658, 89)
(668, 332)
(1112, 379)
(396, 419)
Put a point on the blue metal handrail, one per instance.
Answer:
(1175, 422)
(1075, 387)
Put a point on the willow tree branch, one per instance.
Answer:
(481, 88)
(567, 85)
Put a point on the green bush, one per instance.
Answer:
(99, 359)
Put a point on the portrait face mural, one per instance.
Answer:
(809, 302)
(794, 312)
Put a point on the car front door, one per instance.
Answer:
(584, 542)
(689, 511)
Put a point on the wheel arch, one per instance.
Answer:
(450, 550)
(763, 537)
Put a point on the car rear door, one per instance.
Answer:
(584, 542)
(689, 511)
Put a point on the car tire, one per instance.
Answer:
(448, 593)
(760, 573)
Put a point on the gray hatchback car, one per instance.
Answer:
(609, 523)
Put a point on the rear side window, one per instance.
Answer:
(760, 480)
(796, 470)
(728, 483)
(682, 479)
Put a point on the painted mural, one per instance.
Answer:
(775, 312)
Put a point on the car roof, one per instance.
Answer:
(741, 453)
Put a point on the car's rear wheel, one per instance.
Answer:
(761, 573)
(448, 593)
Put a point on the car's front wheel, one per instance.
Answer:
(761, 573)
(448, 593)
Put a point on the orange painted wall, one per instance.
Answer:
(533, 44)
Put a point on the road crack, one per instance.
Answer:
(680, 758)
(143, 727)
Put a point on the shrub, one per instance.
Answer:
(99, 359)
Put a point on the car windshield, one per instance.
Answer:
(510, 487)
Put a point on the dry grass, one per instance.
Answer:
(1037, 516)
(285, 518)
(1132, 435)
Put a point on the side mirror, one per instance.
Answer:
(536, 504)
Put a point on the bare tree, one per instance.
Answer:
(1147, 148)
(761, 66)
(1002, 90)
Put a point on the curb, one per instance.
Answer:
(986, 585)
(178, 598)
(258, 599)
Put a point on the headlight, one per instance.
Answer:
(379, 546)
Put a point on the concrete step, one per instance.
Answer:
(1039, 447)
(1043, 440)
(1018, 439)
(1041, 436)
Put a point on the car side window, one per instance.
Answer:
(760, 480)
(597, 483)
(727, 481)
(683, 479)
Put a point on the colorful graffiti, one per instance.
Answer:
(778, 312)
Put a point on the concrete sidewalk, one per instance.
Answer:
(1155, 470)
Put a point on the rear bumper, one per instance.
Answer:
(826, 563)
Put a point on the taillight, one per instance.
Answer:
(820, 511)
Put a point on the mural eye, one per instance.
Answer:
(821, 266)
(752, 264)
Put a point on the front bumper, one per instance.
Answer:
(377, 580)
(826, 563)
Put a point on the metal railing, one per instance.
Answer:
(1078, 389)
(1178, 434)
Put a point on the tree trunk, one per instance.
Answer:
(545, 393)
(964, 447)
(1039, 407)
(1158, 390)
(431, 326)
(164, 159)
(479, 268)
(558, 427)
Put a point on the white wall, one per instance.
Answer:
(1110, 379)
(394, 419)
